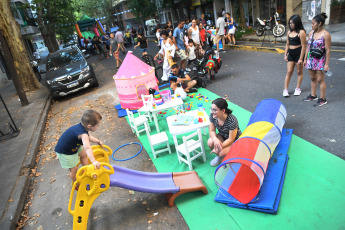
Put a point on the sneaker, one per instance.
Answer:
(310, 98)
(321, 102)
(297, 92)
(187, 69)
(286, 93)
(216, 161)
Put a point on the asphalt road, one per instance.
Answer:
(249, 77)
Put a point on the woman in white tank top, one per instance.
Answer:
(193, 33)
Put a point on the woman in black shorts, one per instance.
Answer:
(294, 53)
(221, 119)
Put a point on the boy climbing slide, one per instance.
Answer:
(75, 143)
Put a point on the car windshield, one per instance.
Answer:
(62, 59)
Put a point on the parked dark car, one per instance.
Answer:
(68, 72)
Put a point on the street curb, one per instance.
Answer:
(21, 187)
(256, 48)
(261, 41)
(333, 43)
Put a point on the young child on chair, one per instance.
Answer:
(75, 143)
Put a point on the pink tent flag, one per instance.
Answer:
(133, 79)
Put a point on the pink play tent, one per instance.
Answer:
(133, 79)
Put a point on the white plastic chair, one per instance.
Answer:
(148, 102)
(158, 139)
(191, 146)
(135, 123)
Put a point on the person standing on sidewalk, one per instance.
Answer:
(203, 20)
(121, 40)
(141, 30)
(37, 56)
(231, 29)
(294, 53)
(167, 51)
(114, 50)
(202, 34)
(194, 34)
(179, 44)
(170, 28)
(317, 58)
(220, 31)
(75, 143)
(222, 119)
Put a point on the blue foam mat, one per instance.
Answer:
(122, 112)
(268, 199)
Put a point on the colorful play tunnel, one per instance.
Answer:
(243, 169)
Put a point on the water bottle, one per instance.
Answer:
(327, 73)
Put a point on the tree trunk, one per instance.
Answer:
(12, 71)
(47, 28)
(242, 16)
(11, 31)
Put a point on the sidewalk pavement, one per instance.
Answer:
(337, 32)
(17, 155)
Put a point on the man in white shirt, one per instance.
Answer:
(220, 31)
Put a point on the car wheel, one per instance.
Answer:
(54, 97)
(95, 84)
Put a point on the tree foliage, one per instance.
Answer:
(94, 9)
(142, 9)
(54, 16)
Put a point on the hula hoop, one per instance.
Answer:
(141, 148)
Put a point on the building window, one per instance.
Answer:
(162, 18)
(15, 11)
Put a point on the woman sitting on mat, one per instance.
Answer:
(221, 118)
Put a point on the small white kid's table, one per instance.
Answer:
(181, 129)
(176, 102)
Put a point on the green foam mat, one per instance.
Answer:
(313, 195)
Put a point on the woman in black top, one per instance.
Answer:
(294, 53)
(221, 119)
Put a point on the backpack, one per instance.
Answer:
(199, 82)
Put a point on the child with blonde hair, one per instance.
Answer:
(75, 143)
